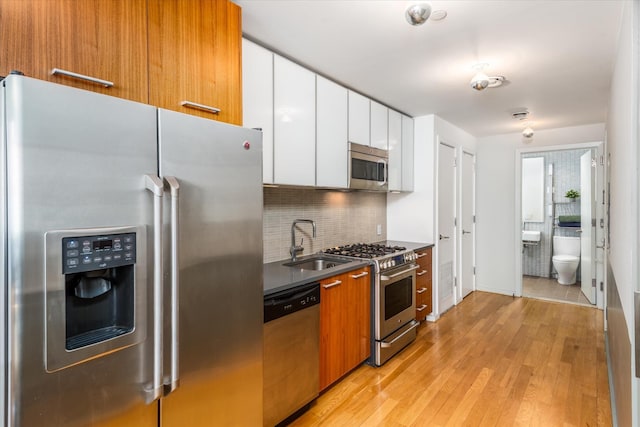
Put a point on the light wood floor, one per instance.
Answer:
(493, 360)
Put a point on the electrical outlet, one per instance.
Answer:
(379, 229)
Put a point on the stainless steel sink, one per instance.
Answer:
(316, 263)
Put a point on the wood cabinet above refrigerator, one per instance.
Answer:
(182, 55)
(195, 63)
(104, 40)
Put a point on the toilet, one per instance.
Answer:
(566, 257)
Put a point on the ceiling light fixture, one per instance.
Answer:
(438, 15)
(527, 132)
(481, 81)
(418, 13)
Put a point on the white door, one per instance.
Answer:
(600, 232)
(467, 222)
(446, 226)
(587, 237)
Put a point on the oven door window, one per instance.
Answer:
(397, 297)
(367, 170)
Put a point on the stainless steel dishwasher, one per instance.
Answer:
(291, 352)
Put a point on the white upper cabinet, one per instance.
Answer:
(331, 134)
(294, 137)
(395, 151)
(379, 126)
(257, 99)
(407, 153)
(359, 119)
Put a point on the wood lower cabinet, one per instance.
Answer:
(104, 39)
(345, 307)
(424, 283)
(195, 61)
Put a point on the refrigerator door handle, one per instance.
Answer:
(155, 185)
(172, 382)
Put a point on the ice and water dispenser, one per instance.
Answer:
(96, 295)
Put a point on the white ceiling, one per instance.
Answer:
(557, 55)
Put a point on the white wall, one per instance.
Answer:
(452, 135)
(410, 216)
(495, 200)
(622, 145)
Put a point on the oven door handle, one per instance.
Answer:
(384, 344)
(391, 276)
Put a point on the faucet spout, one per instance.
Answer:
(298, 248)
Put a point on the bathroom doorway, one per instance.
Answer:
(561, 222)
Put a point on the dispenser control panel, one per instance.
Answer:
(88, 253)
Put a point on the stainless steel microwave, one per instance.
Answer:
(368, 168)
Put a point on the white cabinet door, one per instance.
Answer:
(331, 134)
(407, 153)
(257, 99)
(395, 151)
(294, 135)
(379, 126)
(358, 119)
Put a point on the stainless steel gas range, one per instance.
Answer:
(394, 305)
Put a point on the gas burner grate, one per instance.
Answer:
(364, 250)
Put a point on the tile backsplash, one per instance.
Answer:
(340, 217)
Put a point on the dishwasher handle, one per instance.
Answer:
(288, 302)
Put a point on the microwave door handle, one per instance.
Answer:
(155, 186)
(385, 173)
(173, 380)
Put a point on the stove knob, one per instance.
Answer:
(385, 264)
(393, 263)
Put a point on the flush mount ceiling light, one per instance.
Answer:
(481, 81)
(527, 132)
(418, 13)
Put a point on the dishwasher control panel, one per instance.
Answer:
(289, 301)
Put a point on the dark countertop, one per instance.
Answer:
(278, 277)
(409, 245)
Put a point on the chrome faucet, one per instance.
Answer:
(295, 249)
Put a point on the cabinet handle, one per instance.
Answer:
(357, 276)
(421, 290)
(422, 307)
(105, 83)
(422, 254)
(332, 284)
(197, 106)
(421, 273)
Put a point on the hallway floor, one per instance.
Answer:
(550, 289)
(492, 360)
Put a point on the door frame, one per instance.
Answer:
(517, 242)
(436, 258)
(464, 152)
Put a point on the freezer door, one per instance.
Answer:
(218, 169)
(74, 169)
(3, 263)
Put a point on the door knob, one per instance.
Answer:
(444, 237)
(466, 232)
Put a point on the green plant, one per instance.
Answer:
(572, 194)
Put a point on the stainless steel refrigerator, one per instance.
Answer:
(131, 263)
